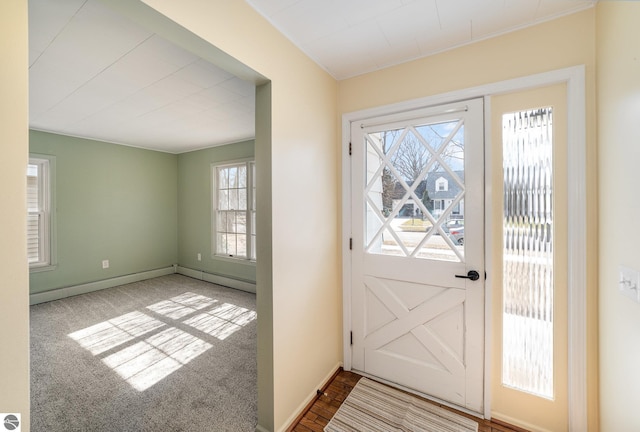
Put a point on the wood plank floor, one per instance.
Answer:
(326, 405)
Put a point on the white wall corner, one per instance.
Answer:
(310, 397)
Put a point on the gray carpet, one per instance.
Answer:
(167, 354)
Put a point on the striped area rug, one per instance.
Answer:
(372, 406)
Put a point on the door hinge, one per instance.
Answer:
(350, 338)
(350, 243)
(350, 149)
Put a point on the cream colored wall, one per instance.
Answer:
(619, 159)
(14, 147)
(299, 296)
(557, 44)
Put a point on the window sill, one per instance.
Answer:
(242, 261)
(42, 268)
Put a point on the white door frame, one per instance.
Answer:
(574, 78)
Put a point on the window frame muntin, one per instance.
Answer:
(249, 163)
(46, 202)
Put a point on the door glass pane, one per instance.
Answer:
(527, 362)
(415, 191)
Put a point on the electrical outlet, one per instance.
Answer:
(199, 256)
(105, 264)
(629, 283)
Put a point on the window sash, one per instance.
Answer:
(234, 210)
(38, 213)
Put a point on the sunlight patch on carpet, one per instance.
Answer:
(149, 350)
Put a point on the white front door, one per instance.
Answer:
(417, 211)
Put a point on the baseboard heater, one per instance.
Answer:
(61, 293)
(218, 279)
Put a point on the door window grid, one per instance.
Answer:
(235, 214)
(528, 322)
(401, 164)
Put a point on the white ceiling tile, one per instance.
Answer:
(239, 86)
(453, 35)
(404, 26)
(96, 37)
(452, 13)
(489, 24)
(96, 74)
(201, 101)
(220, 94)
(354, 46)
(174, 85)
(360, 11)
(49, 18)
(398, 54)
(199, 74)
(328, 19)
(49, 83)
(157, 49)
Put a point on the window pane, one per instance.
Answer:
(241, 222)
(233, 177)
(32, 188)
(33, 237)
(409, 173)
(242, 176)
(38, 217)
(221, 243)
(231, 244)
(231, 222)
(221, 222)
(223, 178)
(527, 363)
(223, 200)
(242, 199)
(233, 199)
(241, 245)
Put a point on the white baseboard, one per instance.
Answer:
(515, 422)
(217, 279)
(309, 398)
(61, 293)
(261, 429)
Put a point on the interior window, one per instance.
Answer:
(235, 215)
(38, 212)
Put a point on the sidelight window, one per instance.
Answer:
(528, 289)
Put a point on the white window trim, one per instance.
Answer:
(47, 231)
(574, 77)
(250, 163)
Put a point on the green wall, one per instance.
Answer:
(113, 202)
(194, 211)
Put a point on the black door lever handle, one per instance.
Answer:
(473, 275)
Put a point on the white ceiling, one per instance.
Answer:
(352, 37)
(96, 74)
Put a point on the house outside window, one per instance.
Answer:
(40, 239)
(234, 208)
